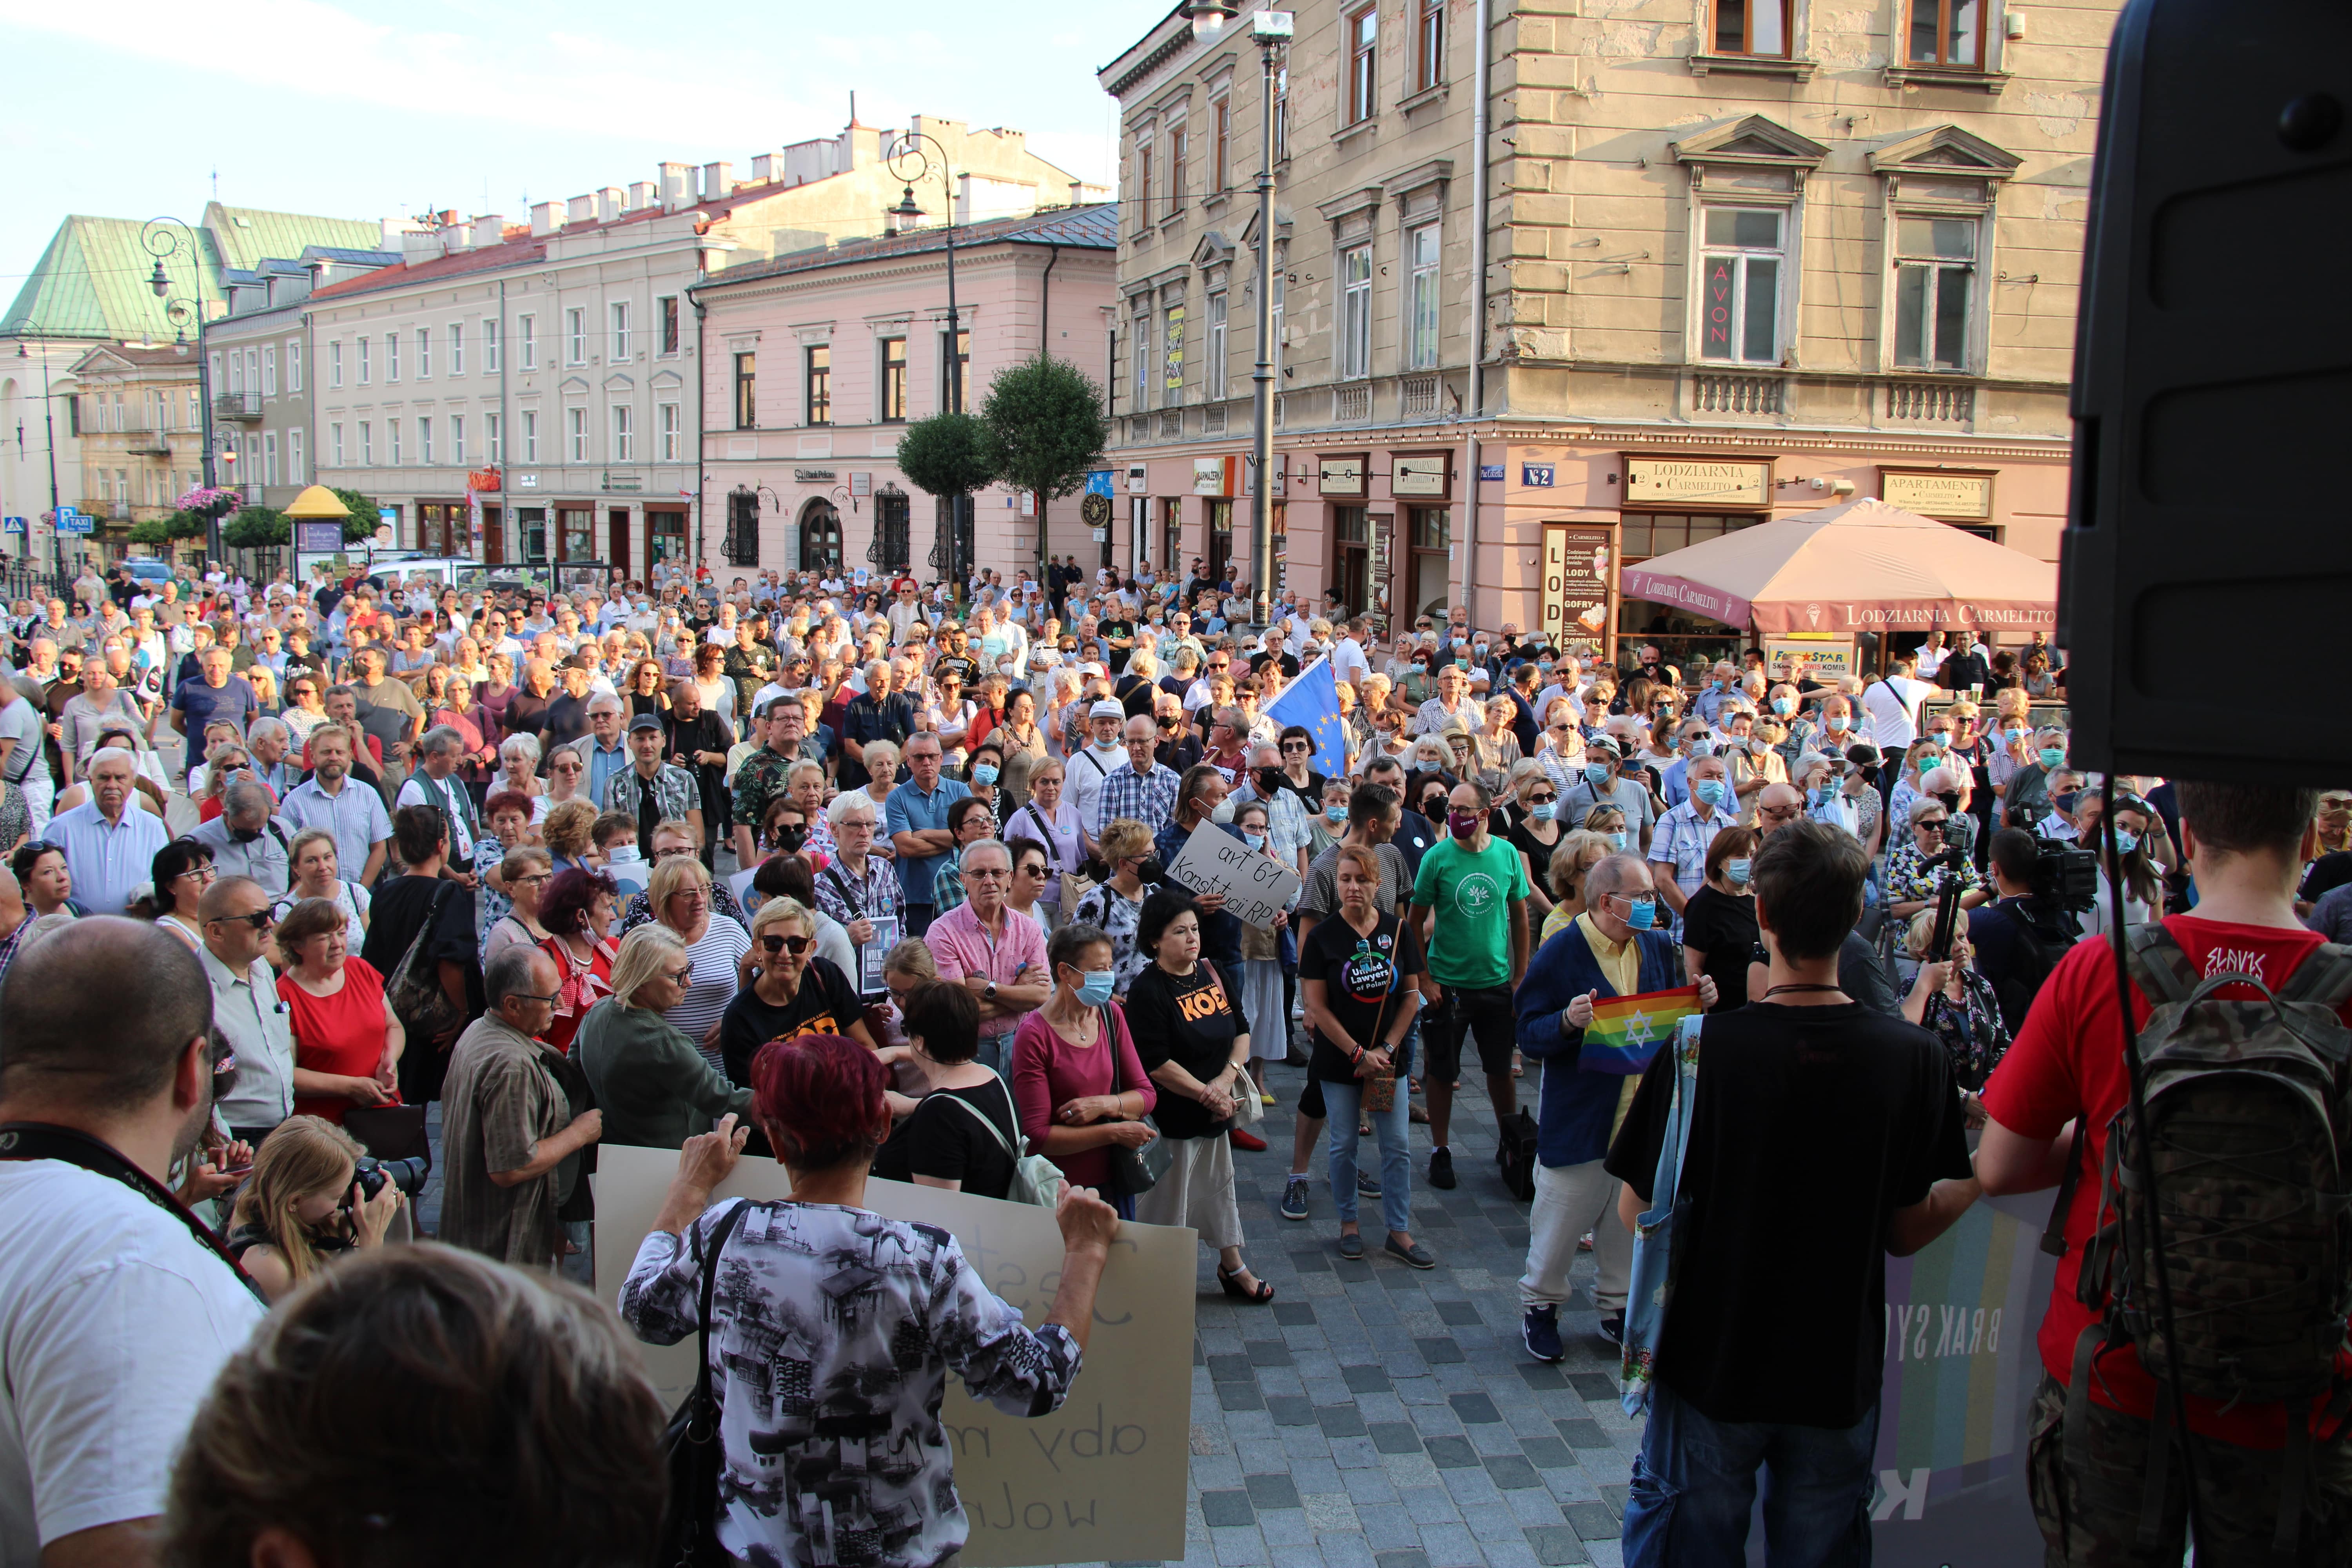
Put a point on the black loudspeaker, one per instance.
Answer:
(2205, 596)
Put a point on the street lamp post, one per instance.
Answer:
(163, 243)
(910, 158)
(50, 430)
(1270, 30)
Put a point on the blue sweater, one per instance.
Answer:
(1573, 1119)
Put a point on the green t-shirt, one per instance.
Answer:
(1470, 943)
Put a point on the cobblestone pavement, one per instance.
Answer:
(1379, 1416)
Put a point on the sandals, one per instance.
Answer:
(1240, 1292)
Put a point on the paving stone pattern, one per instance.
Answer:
(1379, 1416)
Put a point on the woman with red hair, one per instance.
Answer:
(893, 1327)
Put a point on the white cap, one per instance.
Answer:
(1105, 708)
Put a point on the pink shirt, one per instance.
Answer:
(1048, 1071)
(960, 946)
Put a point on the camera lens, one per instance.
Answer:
(408, 1175)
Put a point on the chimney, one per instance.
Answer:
(490, 229)
(418, 246)
(677, 186)
(391, 229)
(768, 167)
(641, 195)
(546, 217)
(584, 209)
(715, 178)
(608, 204)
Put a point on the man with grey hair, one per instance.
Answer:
(998, 955)
(109, 842)
(1286, 826)
(518, 1115)
(267, 741)
(439, 749)
(877, 714)
(601, 748)
(248, 840)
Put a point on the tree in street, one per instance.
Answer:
(1046, 424)
(948, 454)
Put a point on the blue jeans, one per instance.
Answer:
(995, 1053)
(1694, 1487)
(1342, 1102)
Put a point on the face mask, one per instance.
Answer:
(2125, 841)
(1813, 796)
(1617, 839)
(2051, 757)
(1736, 871)
(2012, 737)
(1707, 792)
(1268, 781)
(1096, 989)
(1641, 913)
(1479, 649)
(1938, 738)
(1702, 747)
(1784, 706)
(1597, 774)
(1254, 840)
(1544, 810)
(1464, 824)
(1837, 720)
(1335, 815)
(1223, 812)
(982, 773)
(1951, 799)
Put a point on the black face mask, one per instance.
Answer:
(790, 839)
(1151, 873)
(1951, 799)
(1268, 781)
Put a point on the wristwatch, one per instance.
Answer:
(989, 993)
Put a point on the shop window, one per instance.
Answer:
(1683, 637)
(1751, 27)
(1947, 32)
(1351, 558)
(1220, 541)
(1171, 533)
(531, 522)
(665, 535)
(576, 533)
(1740, 298)
(1934, 282)
(1430, 530)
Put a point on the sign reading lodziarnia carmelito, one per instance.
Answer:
(1698, 483)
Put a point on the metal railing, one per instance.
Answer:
(237, 405)
(1212, 419)
(1171, 424)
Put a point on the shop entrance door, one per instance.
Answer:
(616, 544)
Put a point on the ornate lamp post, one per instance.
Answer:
(162, 243)
(913, 157)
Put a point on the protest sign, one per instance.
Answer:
(1104, 1477)
(1256, 888)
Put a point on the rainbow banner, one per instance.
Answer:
(1626, 1031)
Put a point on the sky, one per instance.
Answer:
(383, 110)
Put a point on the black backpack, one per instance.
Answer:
(1515, 1151)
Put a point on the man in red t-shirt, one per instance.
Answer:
(2246, 845)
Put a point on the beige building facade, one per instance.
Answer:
(1743, 257)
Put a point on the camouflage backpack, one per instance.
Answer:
(2249, 1126)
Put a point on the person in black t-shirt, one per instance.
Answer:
(946, 1141)
(1808, 1111)
(1719, 921)
(400, 909)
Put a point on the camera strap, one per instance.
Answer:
(45, 1140)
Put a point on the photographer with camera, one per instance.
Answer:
(314, 1195)
(117, 1307)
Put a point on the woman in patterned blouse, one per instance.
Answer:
(833, 1330)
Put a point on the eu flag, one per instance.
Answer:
(1311, 703)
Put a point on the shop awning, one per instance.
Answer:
(1859, 566)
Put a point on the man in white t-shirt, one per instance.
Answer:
(1348, 660)
(114, 1316)
(1102, 756)
(1891, 706)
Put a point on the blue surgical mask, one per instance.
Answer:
(1707, 792)
(1597, 774)
(1335, 815)
(1736, 871)
(1617, 839)
(1544, 810)
(1784, 705)
(1254, 840)
(1837, 720)
(2125, 841)
(1096, 991)
(2051, 757)
(982, 773)
(1813, 796)
(1641, 913)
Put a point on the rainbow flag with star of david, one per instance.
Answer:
(1626, 1031)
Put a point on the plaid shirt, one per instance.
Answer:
(1147, 798)
(674, 790)
(946, 883)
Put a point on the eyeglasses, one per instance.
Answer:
(1783, 814)
(260, 920)
(988, 875)
(1542, 799)
(1300, 746)
(204, 873)
(680, 978)
(1932, 825)
(672, 853)
(795, 945)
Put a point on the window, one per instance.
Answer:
(575, 327)
(367, 445)
(269, 457)
(1213, 389)
(894, 379)
(1142, 344)
(747, 388)
(458, 439)
(817, 370)
(1282, 115)
(457, 348)
(577, 419)
(532, 521)
(391, 357)
(530, 432)
(1143, 185)
(496, 438)
(424, 353)
(297, 472)
(1171, 357)
(1363, 34)
(1351, 558)
(252, 377)
(392, 441)
(236, 379)
(955, 393)
(335, 365)
(293, 364)
(1180, 140)
(1947, 32)
(666, 433)
(1751, 27)
(1221, 145)
(195, 412)
(1740, 298)
(625, 434)
(1934, 271)
(364, 361)
(1421, 347)
(1429, 46)
(490, 344)
(269, 371)
(335, 442)
(526, 327)
(424, 439)
(620, 328)
(1356, 313)
(666, 319)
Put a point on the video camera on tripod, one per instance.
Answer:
(2064, 886)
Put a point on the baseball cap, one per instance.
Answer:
(1105, 708)
(644, 721)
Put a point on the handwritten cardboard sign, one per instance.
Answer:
(1256, 886)
(1104, 1477)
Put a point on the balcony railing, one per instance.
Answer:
(1417, 398)
(1171, 425)
(1931, 402)
(148, 444)
(1737, 395)
(1212, 419)
(1353, 403)
(237, 405)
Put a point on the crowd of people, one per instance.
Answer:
(442, 889)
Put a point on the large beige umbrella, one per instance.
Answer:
(1859, 566)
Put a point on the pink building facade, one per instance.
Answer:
(816, 363)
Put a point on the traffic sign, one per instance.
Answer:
(12, 525)
(70, 520)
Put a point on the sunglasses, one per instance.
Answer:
(1542, 799)
(260, 920)
(795, 945)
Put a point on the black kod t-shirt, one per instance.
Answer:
(1812, 1126)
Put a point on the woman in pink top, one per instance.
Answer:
(1076, 1100)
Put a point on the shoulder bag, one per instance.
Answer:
(1652, 1288)
(415, 989)
(1035, 1179)
(1132, 1170)
(1074, 887)
(1248, 1108)
(689, 1530)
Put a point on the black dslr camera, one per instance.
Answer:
(372, 1174)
